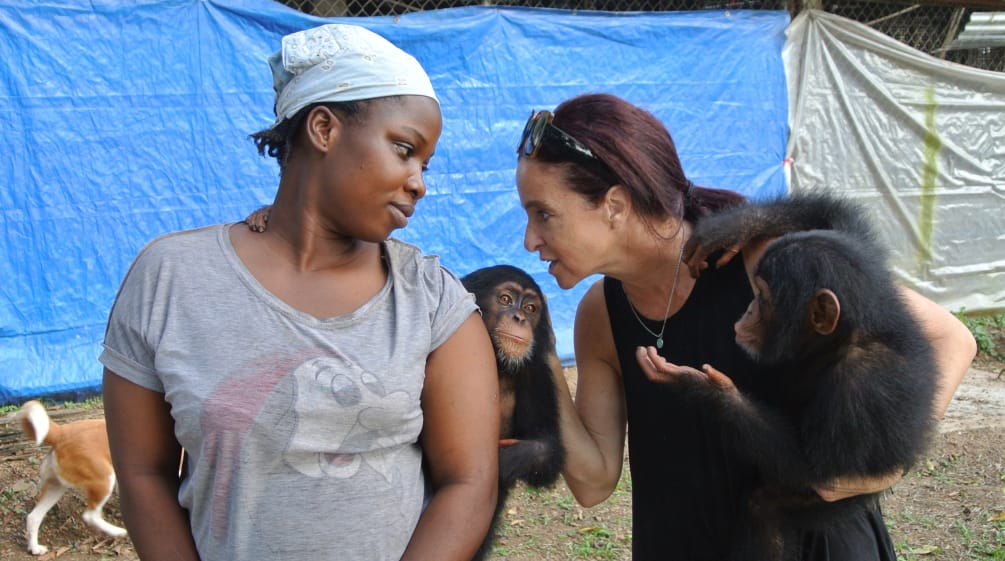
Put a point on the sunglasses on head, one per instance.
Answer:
(539, 131)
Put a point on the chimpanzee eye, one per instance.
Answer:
(530, 308)
(505, 299)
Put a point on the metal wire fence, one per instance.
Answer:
(927, 27)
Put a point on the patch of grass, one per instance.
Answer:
(940, 470)
(991, 545)
(93, 402)
(596, 542)
(566, 501)
(906, 552)
(984, 329)
(907, 518)
(911, 550)
(11, 501)
(983, 538)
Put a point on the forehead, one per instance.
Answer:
(542, 184)
(416, 111)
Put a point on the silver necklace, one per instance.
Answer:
(666, 312)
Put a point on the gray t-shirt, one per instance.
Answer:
(301, 433)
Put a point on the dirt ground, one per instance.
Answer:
(950, 507)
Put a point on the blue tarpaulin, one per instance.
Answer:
(126, 120)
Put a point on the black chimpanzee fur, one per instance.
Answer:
(527, 382)
(857, 400)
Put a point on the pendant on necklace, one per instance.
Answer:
(659, 342)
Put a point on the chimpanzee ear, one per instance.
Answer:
(823, 311)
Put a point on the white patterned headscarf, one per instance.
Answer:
(339, 62)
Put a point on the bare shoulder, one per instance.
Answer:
(593, 337)
(593, 305)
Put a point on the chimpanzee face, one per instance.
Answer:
(511, 313)
(753, 324)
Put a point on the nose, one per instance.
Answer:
(531, 241)
(416, 185)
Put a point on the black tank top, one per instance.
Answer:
(689, 496)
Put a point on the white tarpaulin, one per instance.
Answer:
(918, 140)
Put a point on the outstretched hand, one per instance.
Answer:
(658, 369)
(258, 221)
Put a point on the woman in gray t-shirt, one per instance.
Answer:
(319, 376)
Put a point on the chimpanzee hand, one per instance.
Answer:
(711, 234)
(658, 369)
(259, 220)
(735, 228)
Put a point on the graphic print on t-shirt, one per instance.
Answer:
(343, 419)
(369, 419)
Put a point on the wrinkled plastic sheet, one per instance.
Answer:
(920, 141)
(126, 120)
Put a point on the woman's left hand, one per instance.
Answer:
(658, 369)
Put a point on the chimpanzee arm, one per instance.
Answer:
(760, 435)
(537, 456)
(536, 461)
(734, 228)
(753, 431)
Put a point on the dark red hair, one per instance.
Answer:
(636, 151)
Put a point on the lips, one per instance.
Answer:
(401, 213)
(550, 261)
(509, 335)
(743, 339)
(406, 208)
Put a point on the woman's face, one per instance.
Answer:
(374, 174)
(562, 227)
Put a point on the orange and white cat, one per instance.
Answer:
(79, 459)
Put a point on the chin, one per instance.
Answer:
(750, 350)
(563, 278)
(565, 285)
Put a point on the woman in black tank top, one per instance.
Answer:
(605, 193)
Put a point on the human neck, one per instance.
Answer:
(297, 237)
(650, 273)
